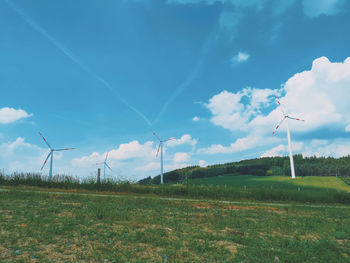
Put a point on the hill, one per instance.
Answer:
(269, 166)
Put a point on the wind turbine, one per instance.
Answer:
(287, 118)
(104, 166)
(161, 153)
(51, 154)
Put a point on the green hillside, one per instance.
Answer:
(270, 166)
(277, 182)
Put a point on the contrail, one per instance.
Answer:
(70, 55)
(190, 78)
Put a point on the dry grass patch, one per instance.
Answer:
(202, 205)
(65, 214)
(230, 246)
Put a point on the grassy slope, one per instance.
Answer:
(66, 228)
(278, 182)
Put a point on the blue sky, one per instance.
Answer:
(98, 75)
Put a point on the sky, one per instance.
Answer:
(99, 75)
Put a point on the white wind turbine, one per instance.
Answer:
(287, 117)
(161, 153)
(51, 154)
(104, 166)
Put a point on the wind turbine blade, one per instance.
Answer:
(65, 149)
(99, 163)
(158, 150)
(172, 138)
(106, 156)
(42, 167)
(294, 118)
(277, 100)
(155, 134)
(279, 104)
(278, 125)
(45, 140)
(108, 166)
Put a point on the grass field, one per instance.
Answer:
(322, 183)
(42, 227)
(253, 188)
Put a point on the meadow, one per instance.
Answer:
(244, 188)
(322, 183)
(52, 227)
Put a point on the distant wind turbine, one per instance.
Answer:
(51, 154)
(161, 153)
(287, 117)
(104, 166)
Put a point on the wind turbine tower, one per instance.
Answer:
(286, 117)
(161, 153)
(104, 166)
(51, 154)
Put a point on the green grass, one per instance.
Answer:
(253, 188)
(321, 183)
(41, 227)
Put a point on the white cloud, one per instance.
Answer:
(125, 151)
(240, 57)
(195, 119)
(185, 139)
(338, 148)
(8, 148)
(134, 157)
(347, 128)
(8, 115)
(275, 151)
(21, 156)
(152, 166)
(318, 143)
(181, 157)
(202, 163)
(316, 95)
(315, 8)
(155, 167)
(241, 144)
(230, 112)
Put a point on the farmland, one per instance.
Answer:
(43, 227)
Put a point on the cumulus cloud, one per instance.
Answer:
(337, 148)
(241, 144)
(8, 115)
(275, 151)
(240, 57)
(137, 157)
(20, 144)
(230, 112)
(125, 151)
(195, 119)
(202, 163)
(152, 166)
(185, 139)
(315, 8)
(181, 157)
(316, 95)
(20, 155)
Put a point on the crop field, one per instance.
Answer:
(52, 227)
(322, 183)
